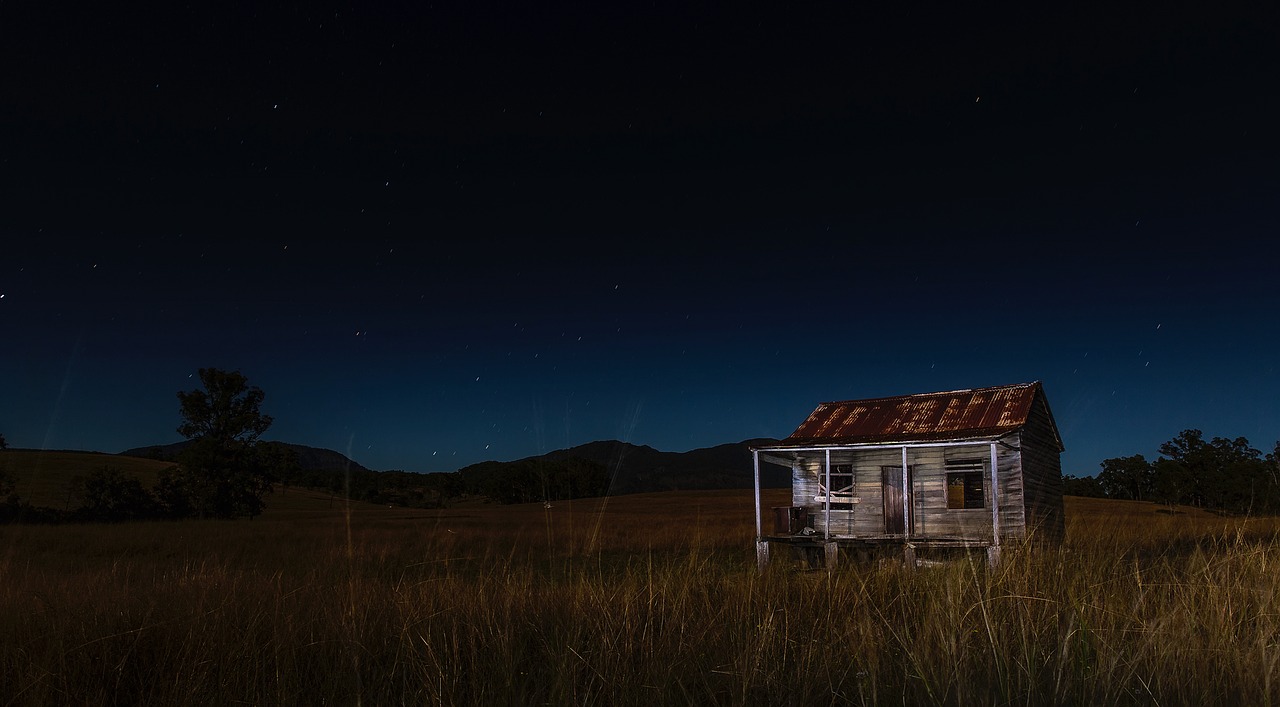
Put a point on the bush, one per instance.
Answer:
(110, 496)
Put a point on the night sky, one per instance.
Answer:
(436, 235)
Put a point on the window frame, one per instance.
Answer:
(970, 475)
(844, 496)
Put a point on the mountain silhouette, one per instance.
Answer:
(309, 458)
(634, 468)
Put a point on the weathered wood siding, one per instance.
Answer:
(930, 516)
(935, 520)
(865, 517)
(1042, 474)
(804, 484)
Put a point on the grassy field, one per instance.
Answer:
(646, 599)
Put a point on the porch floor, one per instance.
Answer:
(878, 541)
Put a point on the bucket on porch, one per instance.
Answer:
(789, 520)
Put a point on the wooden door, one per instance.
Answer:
(891, 482)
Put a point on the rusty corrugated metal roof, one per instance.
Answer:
(956, 414)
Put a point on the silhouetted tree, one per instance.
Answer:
(12, 508)
(1273, 461)
(1087, 486)
(224, 474)
(8, 484)
(1225, 474)
(1127, 477)
(1172, 482)
(226, 411)
(172, 493)
(444, 486)
(111, 496)
(3, 444)
(279, 463)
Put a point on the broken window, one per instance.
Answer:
(842, 492)
(965, 487)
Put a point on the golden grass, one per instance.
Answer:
(647, 599)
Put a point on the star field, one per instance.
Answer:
(439, 235)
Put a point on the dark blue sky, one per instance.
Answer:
(439, 236)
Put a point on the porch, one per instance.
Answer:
(869, 499)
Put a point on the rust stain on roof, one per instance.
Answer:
(957, 414)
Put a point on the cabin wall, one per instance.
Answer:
(930, 515)
(1042, 473)
(935, 519)
(864, 518)
(1013, 492)
(804, 483)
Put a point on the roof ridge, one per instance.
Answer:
(1011, 386)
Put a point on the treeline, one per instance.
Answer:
(110, 495)
(1227, 475)
(536, 479)
(222, 482)
(398, 488)
(525, 481)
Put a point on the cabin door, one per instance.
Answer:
(891, 482)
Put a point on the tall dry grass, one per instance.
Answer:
(650, 600)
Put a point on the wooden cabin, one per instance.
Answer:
(960, 469)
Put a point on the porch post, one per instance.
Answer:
(762, 546)
(906, 496)
(755, 465)
(993, 552)
(826, 505)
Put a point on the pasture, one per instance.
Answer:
(645, 599)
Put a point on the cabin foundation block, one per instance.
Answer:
(993, 555)
(832, 555)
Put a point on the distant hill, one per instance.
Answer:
(54, 479)
(309, 458)
(630, 468)
(633, 468)
(643, 469)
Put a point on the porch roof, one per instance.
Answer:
(972, 414)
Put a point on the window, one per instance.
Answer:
(842, 493)
(965, 483)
